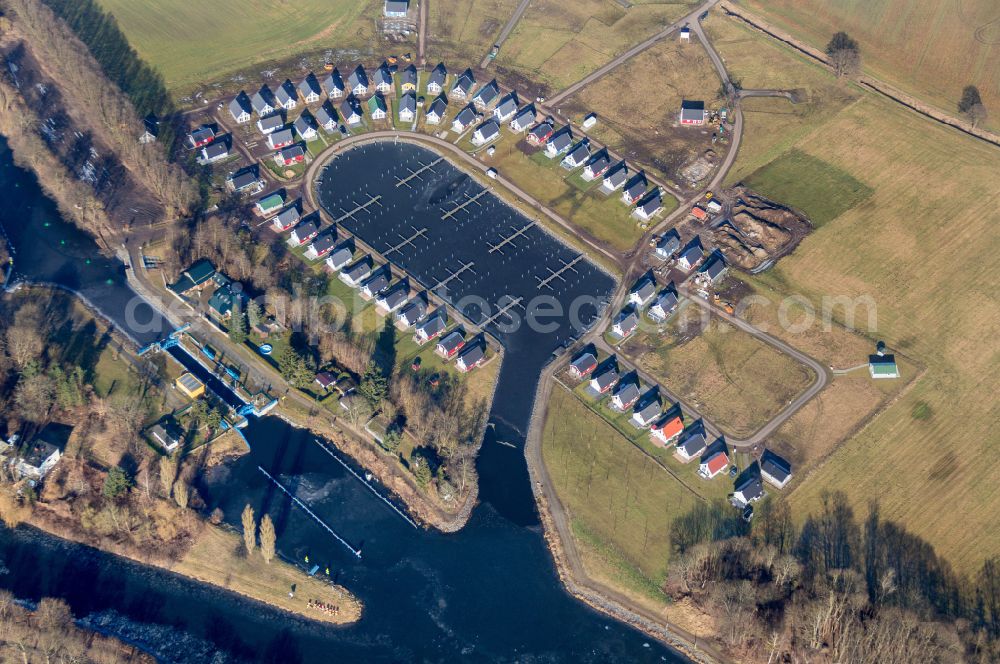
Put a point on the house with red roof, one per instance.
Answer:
(713, 465)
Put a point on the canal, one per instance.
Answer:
(487, 593)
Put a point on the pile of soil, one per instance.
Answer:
(758, 230)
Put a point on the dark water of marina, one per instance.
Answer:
(486, 593)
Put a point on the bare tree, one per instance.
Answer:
(268, 538)
(249, 529)
(845, 57)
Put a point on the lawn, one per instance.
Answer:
(638, 103)
(733, 379)
(822, 191)
(928, 49)
(192, 43)
(217, 557)
(556, 43)
(922, 246)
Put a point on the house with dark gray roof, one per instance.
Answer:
(668, 244)
(396, 8)
(322, 244)
(540, 133)
(212, 153)
(486, 132)
(305, 126)
(334, 84)
(357, 82)
(625, 322)
(412, 313)
(341, 256)
(377, 282)
(524, 119)
(559, 142)
(582, 365)
(465, 119)
(634, 188)
(650, 204)
(463, 85)
(691, 254)
(263, 101)
(287, 95)
(307, 229)
(354, 274)
(350, 110)
(615, 177)
(626, 393)
(407, 107)
(506, 108)
(435, 113)
(713, 269)
(436, 81)
(241, 108)
(287, 218)
(643, 291)
(408, 80)
(486, 95)
(280, 138)
(577, 156)
(596, 165)
(270, 123)
(326, 117)
(692, 112)
(646, 411)
(604, 377)
(664, 304)
(310, 89)
(450, 344)
(383, 78)
(245, 179)
(775, 469)
(431, 327)
(470, 358)
(692, 444)
(748, 489)
(201, 136)
(393, 297)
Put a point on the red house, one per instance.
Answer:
(698, 213)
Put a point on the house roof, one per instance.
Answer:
(716, 462)
(383, 74)
(488, 130)
(396, 295)
(288, 216)
(627, 320)
(645, 289)
(599, 161)
(304, 123)
(439, 106)
(408, 102)
(326, 115)
(397, 6)
(714, 266)
(271, 201)
(414, 311)
(201, 134)
(350, 106)
(584, 363)
(561, 139)
(376, 283)
(607, 376)
(244, 177)
(433, 325)
(541, 130)
(306, 228)
(438, 75)
(667, 300)
(669, 242)
(627, 391)
(342, 254)
(453, 340)
(376, 103)
(286, 91)
(281, 136)
(262, 98)
(525, 116)
(465, 82)
(410, 75)
(358, 77)
(487, 93)
(215, 150)
(291, 152)
(508, 104)
(651, 203)
(222, 300)
(883, 364)
(693, 444)
(471, 355)
(325, 241)
(271, 122)
(750, 487)
(240, 104)
(334, 81)
(466, 116)
(360, 268)
(636, 186)
(692, 110)
(777, 467)
(617, 173)
(325, 379)
(693, 251)
(670, 425)
(649, 410)
(579, 152)
(200, 271)
(310, 84)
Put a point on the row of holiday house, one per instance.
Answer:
(667, 429)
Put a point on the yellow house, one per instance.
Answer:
(190, 386)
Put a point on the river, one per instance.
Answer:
(487, 593)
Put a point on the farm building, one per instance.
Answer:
(436, 81)
(240, 108)
(334, 84)
(310, 89)
(435, 113)
(190, 386)
(713, 465)
(355, 273)
(775, 469)
(615, 177)
(692, 112)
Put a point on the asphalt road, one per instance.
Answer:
(507, 29)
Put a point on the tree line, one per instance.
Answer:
(839, 588)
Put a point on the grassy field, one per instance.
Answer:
(808, 183)
(217, 557)
(929, 49)
(557, 43)
(621, 501)
(461, 32)
(736, 381)
(637, 106)
(923, 246)
(191, 43)
(759, 63)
